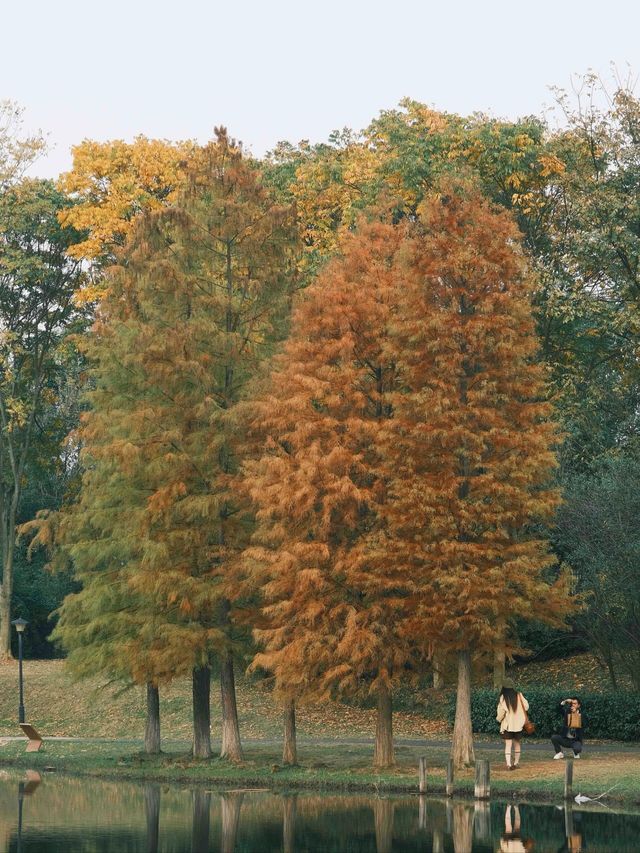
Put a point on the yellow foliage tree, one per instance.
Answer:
(112, 182)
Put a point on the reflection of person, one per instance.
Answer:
(512, 841)
(511, 716)
(573, 844)
(574, 841)
(571, 737)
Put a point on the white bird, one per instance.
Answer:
(582, 798)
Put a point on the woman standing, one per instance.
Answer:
(511, 714)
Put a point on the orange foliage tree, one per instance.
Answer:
(473, 438)
(409, 459)
(334, 612)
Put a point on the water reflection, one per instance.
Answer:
(152, 814)
(60, 814)
(289, 808)
(512, 840)
(26, 787)
(572, 829)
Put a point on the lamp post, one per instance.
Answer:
(20, 624)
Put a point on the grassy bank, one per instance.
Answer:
(60, 707)
(337, 766)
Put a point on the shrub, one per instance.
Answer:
(606, 715)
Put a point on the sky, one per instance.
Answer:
(290, 69)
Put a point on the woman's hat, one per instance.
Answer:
(508, 682)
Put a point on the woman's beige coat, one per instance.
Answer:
(511, 721)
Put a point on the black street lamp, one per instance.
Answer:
(20, 624)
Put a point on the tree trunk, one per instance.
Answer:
(462, 747)
(289, 748)
(6, 588)
(611, 668)
(231, 804)
(499, 656)
(437, 661)
(152, 814)
(499, 659)
(201, 821)
(152, 728)
(383, 754)
(231, 746)
(201, 712)
(5, 619)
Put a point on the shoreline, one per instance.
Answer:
(329, 770)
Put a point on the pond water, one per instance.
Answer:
(57, 813)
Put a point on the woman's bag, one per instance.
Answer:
(529, 727)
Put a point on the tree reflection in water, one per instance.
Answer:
(93, 816)
(231, 804)
(152, 814)
(289, 808)
(383, 810)
(462, 829)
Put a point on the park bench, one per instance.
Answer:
(35, 738)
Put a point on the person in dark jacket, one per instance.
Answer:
(571, 737)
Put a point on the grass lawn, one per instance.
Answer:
(59, 707)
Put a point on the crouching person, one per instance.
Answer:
(571, 737)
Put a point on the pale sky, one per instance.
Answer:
(290, 69)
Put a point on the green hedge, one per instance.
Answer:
(606, 715)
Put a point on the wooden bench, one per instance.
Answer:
(35, 738)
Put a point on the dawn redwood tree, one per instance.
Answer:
(190, 310)
(472, 439)
(334, 605)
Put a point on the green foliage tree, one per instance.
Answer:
(37, 314)
(17, 150)
(589, 291)
(597, 533)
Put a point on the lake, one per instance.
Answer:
(57, 813)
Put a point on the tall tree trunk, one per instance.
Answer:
(8, 534)
(289, 747)
(152, 728)
(202, 712)
(462, 747)
(16, 456)
(608, 656)
(383, 753)
(231, 746)
(152, 814)
(230, 805)
(201, 821)
(5, 618)
(499, 659)
(437, 662)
